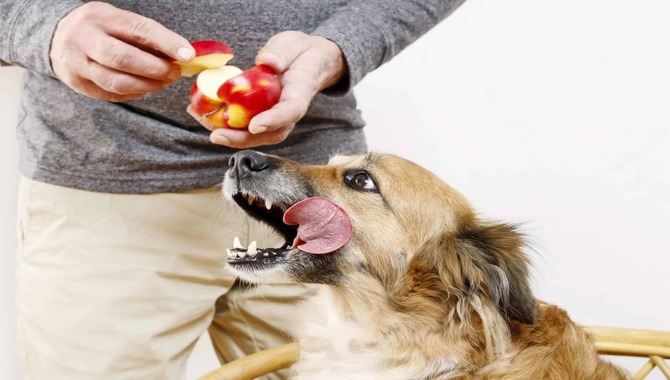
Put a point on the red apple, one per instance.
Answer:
(204, 98)
(248, 94)
(228, 100)
(208, 55)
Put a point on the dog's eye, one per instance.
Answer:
(360, 180)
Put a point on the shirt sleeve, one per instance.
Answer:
(371, 32)
(26, 30)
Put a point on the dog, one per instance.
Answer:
(418, 286)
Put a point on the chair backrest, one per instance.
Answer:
(651, 344)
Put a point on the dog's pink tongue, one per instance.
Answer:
(323, 226)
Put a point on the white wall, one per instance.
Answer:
(556, 114)
(9, 83)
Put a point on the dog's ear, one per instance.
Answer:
(493, 261)
(483, 261)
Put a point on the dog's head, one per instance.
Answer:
(376, 218)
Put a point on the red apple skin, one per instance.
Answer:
(248, 94)
(201, 103)
(211, 110)
(207, 47)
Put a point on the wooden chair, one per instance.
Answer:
(654, 345)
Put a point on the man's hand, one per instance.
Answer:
(305, 65)
(111, 54)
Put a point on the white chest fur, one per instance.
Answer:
(335, 348)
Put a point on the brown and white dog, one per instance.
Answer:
(419, 287)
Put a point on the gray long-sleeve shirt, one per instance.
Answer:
(151, 144)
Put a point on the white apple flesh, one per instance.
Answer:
(201, 63)
(204, 99)
(209, 81)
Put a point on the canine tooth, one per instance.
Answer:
(236, 243)
(266, 254)
(250, 199)
(251, 251)
(268, 204)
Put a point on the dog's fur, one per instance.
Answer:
(424, 288)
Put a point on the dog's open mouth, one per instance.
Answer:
(314, 225)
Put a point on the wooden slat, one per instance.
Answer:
(255, 365)
(627, 349)
(634, 336)
(644, 371)
(660, 363)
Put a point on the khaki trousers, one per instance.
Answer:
(120, 286)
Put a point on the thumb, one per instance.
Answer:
(282, 50)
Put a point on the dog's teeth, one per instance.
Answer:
(268, 204)
(266, 254)
(236, 243)
(230, 253)
(250, 199)
(251, 251)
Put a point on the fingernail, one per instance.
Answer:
(174, 74)
(185, 54)
(259, 129)
(268, 58)
(220, 140)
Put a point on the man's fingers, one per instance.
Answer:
(121, 83)
(144, 31)
(242, 139)
(121, 56)
(271, 60)
(306, 65)
(90, 89)
(292, 106)
(110, 54)
(283, 114)
(281, 50)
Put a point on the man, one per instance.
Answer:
(123, 235)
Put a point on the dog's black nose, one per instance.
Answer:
(247, 161)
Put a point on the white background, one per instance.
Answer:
(551, 113)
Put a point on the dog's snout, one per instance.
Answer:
(246, 162)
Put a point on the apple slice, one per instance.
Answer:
(209, 54)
